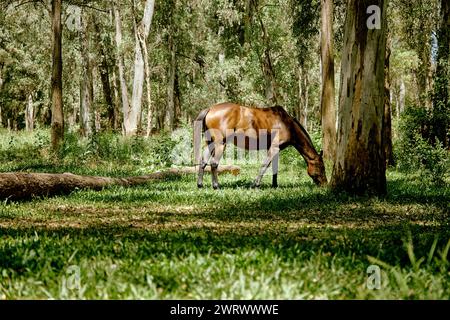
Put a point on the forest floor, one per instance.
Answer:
(170, 240)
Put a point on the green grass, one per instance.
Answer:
(168, 239)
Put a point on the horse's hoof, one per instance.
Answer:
(216, 187)
(255, 186)
(199, 185)
(274, 186)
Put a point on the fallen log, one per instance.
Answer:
(22, 186)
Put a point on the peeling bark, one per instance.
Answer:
(360, 166)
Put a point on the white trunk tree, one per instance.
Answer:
(142, 32)
(29, 114)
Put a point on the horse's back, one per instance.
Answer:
(232, 115)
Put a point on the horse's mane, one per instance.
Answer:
(300, 125)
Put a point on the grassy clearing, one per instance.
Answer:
(170, 240)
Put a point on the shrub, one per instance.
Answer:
(414, 153)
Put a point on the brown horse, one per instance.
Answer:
(271, 129)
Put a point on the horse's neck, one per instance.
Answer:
(302, 142)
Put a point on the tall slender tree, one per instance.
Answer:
(141, 33)
(57, 132)
(360, 166)
(328, 109)
(441, 99)
(121, 66)
(387, 119)
(86, 80)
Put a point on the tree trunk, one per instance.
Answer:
(360, 166)
(117, 122)
(121, 67)
(401, 98)
(1, 84)
(177, 100)
(138, 83)
(171, 84)
(103, 68)
(57, 132)
(29, 114)
(328, 110)
(303, 95)
(424, 73)
(23, 186)
(267, 67)
(86, 87)
(305, 90)
(144, 49)
(149, 90)
(387, 124)
(173, 89)
(441, 103)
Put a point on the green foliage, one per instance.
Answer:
(413, 152)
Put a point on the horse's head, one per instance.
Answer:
(316, 170)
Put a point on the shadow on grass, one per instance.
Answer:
(53, 247)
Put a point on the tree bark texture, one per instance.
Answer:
(143, 29)
(328, 109)
(29, 114)
(359, 166)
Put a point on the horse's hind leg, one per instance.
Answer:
(204, 162)
(218, 152)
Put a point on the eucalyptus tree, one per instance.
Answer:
(441, 98)
(328, 109)
(360, 166)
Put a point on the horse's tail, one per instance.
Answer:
(199, 128)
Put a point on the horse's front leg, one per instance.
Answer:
(275, 162)
(218, 152)
(203, 163)
(273, 151)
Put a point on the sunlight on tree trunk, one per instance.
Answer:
(29, 114)
(142, 31)
(328, 109)
(360, 165)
